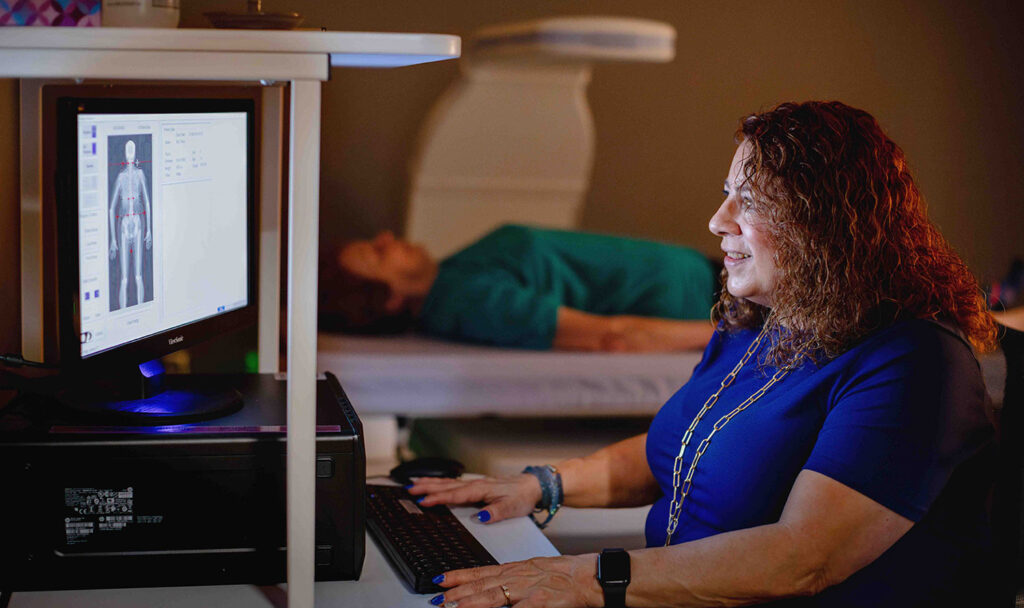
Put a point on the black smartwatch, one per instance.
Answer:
(613, 574)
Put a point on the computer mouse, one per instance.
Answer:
(428, 466)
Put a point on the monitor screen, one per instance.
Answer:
(163, 212)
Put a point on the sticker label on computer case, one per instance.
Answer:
(91, 511)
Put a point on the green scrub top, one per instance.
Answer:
(506, 288)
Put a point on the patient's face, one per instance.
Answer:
(385, 258)
(749, 254)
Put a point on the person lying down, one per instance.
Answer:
(526, 287)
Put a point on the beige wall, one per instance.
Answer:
(942, 77)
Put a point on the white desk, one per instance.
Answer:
(379, 584)
(303, 59)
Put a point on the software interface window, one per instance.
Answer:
(162, 209)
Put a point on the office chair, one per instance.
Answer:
(1007, 507)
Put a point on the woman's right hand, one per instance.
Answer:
(505, 497)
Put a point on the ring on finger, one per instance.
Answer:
(508, 595)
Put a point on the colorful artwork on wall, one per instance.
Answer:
(82, 13)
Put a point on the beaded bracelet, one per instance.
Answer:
(550, 492)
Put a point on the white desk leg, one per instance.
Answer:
(303, 211)
(269, 338)
(31, 220)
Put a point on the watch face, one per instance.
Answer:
(613, 568)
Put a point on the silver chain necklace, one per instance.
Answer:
(681, 487)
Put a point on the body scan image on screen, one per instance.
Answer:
(163, 212)
(130, 169)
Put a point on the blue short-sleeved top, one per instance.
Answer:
(506, 288)
(899, 418)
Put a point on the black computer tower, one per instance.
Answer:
(85, 505)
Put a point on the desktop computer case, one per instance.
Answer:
(88, 506)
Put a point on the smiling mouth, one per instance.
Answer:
(736, 255)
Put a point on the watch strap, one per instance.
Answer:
(614, 596)
(614, 575)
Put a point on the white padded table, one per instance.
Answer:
(418, 376)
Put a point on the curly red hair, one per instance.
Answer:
(854, 247)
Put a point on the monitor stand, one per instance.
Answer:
(138, 396)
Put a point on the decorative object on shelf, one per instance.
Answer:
(141, 13)
(80, 13)
(255, 19)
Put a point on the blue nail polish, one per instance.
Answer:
(420, 499)
(437, 600)
(437, 580)
(483, 517)
(409, 486)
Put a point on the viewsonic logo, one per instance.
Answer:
(175, 340)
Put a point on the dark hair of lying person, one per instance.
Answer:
(353, 304)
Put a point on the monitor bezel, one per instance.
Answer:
(173, 339)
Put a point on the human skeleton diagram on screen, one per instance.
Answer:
(129, 215)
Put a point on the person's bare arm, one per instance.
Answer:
(827, 532)
(615, 476)
(1013, 318)
(578, 330)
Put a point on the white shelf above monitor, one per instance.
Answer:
(415, 46)
(36, 52)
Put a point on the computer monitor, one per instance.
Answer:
(156, 229)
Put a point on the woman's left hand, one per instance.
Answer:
(568, 581)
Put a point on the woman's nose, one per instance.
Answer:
(723, 222)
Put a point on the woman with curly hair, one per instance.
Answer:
(831, 447)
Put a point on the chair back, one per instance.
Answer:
(1008, 509)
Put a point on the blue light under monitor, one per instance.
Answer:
(167, 403)
(151, 369)
(171, 408)
(382, 60)
(168, 429)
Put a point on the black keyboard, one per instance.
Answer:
(421, 542)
